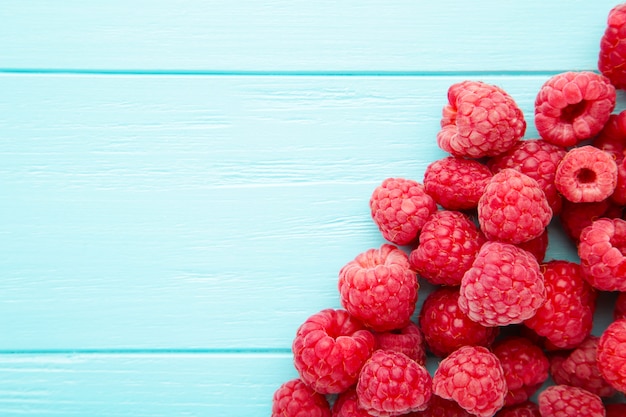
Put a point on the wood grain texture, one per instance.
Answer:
(285, 36)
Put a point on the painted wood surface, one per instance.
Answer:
(181, 181)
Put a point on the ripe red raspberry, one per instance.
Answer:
(537, 246)
(573, 106)
(347, 405)
(586, 174)
(566, 317)
(408, 340)
(400, 208)
(566, 401)
(525, 409)
(612, 139)
(575, 217)
(446, 328)
(379, 288)
(448, 244)
(296, 399)
(439, 407)
(538, 159)
(601, 251)
(613, 47)
(391, 383)
(620, 306)
(456, 183)
(473, 377)
(615, 409)
(525, 367)
(504, 286)
(612, 354)
(329, 350)
(480, 120)
(580, 369)
(513, 208)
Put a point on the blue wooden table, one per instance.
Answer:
(181, 181)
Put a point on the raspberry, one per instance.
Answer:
(601, 251)
(615, 409)
(513, 208)
(439, 407)
(612, 354)
(446, 328)
(566, 401)
(586, 174)
(612, 139)
(408, 340)
(329, 350)
(537, 246)
(391, 383)
(580, 369)
(473, 377)
(566, 317)
(504, 286)
(613, 47)
(525, 367)
(347, 405)
(379, 288)
(480, 120)
(448, 244)
(538, 159)
(456, 183)
(573, 106)
(620, 306)
(525, 409)
(400, 208)
(575, 217)
(296, 399)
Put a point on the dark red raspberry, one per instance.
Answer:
(525, 367)
(480, 120)
(615, 409)
(620, 306)
(379, 288)
(448, 244)
(347, 405)
(574, 217)
(586, 174)
(525, 409)
(566, 401)
(612, 354)
(513, 208)
(580, 369)
(566, 317)
(408, 340)
(504, 286)
(573, 106)
(456, 183)
(538, 159)
(391, 383)
(601, 251)
(537, 246)
(613, 47)
(400, 207)
(446, 328)
(296, 399)
(439, 407)
(329, 350)
(473, 377)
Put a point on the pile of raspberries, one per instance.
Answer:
(506, 325)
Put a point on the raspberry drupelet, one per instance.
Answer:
(379, 288)
(612, 354)
(613, 47)
(479, 120)
(566, 401)
(296, 399)
(601, 251)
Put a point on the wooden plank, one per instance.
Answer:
(198, 212)
(296, 36)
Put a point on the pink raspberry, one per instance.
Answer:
(504, 286)
(329, 350)
(296, 399)
(347, 405)
(615, 409)
(525, 367)
(408, 340)
(601, 251)
(613, 47)
(566, 401)
(575, 217)
(456, 183)
(480, 120)
(446, 328)
(513, 208)
(473, 377)
(379, 288)
(439, 407)
(538, 159)
(580, 369)
(586, 174)
(612, 354)
(448, 244)
(573, 106)
(400, 208)
(566, 317)
(619, 311)
(391, 383)
(525, 409)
